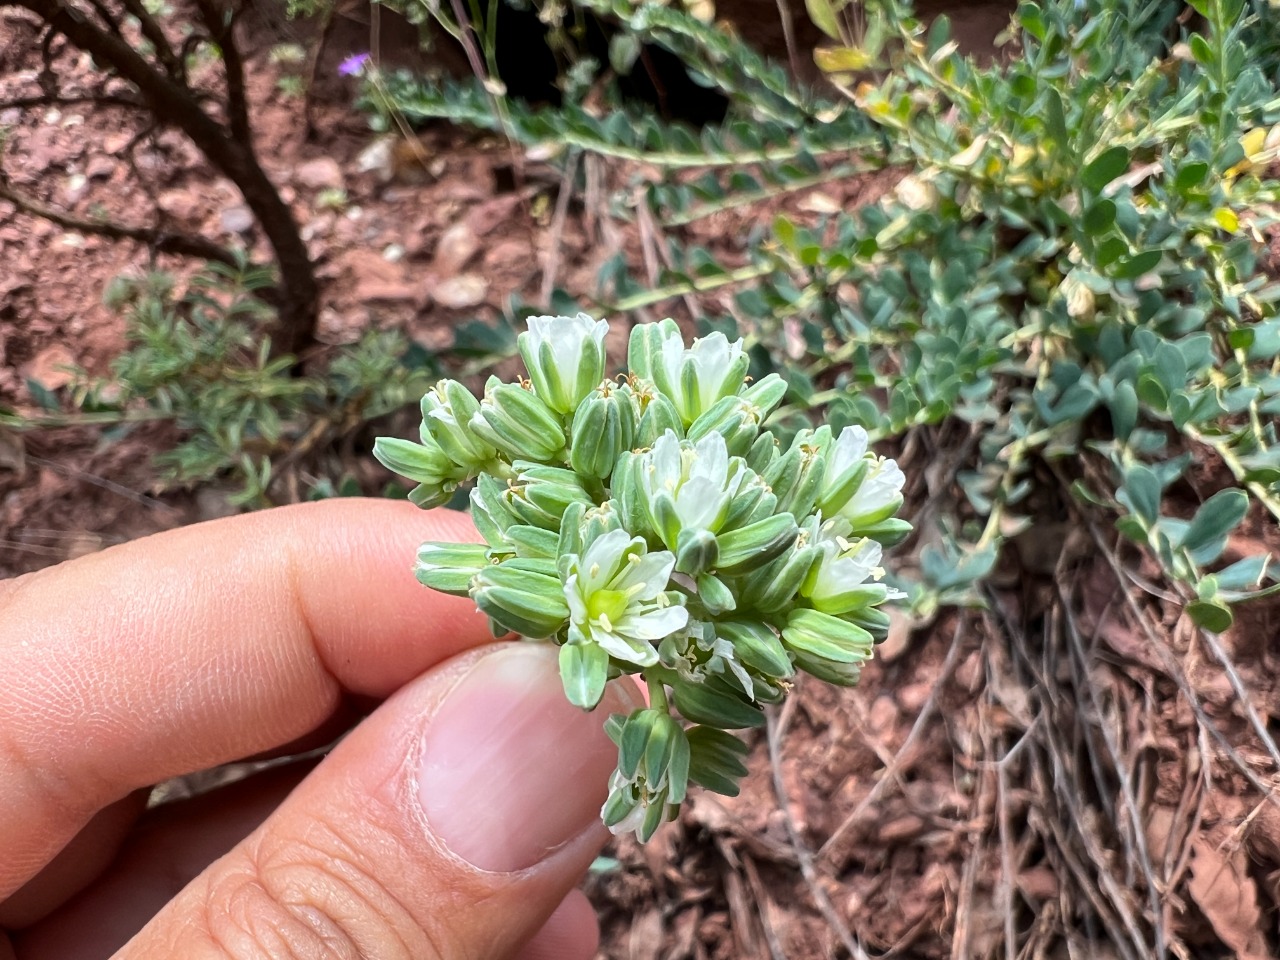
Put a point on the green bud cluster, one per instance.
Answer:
(650, 525)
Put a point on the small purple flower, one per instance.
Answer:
(353, 65)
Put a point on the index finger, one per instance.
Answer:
(203, 645)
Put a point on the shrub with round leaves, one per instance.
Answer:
(650, 525)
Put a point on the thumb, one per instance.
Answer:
(450, 824)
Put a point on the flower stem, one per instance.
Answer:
(657, 692)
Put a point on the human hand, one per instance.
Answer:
(453, 822)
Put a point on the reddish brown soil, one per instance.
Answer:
(1005, 782)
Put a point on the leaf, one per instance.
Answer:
(1214, 615)
(1143, 487)
(1243, 574)
(1137, 265)
(1099, 217)
(1201, 50)
(1100, 171)
(823, 15)
(1215, 519)
(1190, 175)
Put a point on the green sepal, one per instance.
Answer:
(830, 671)
(715, 595)
(696, 551)
(584, 670)
(888, 533)
(757, 645)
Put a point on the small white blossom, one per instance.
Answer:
(576, 346)
(617, 598)
(715, 369)
(700, 478)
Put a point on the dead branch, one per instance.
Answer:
(161, 241)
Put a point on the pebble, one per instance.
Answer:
(464, 290)
(319, 174)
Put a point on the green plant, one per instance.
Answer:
(649, 527)
(200, 362)
(1071, 265)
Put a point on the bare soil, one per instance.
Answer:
(1068, 772)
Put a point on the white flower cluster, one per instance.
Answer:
(649, 525)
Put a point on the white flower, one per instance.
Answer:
(696, 377)
(699, 479)
(878, 496)
(565, 358)
(617, 598)
(847, 574)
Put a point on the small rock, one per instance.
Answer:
(393, 253)
(10, 117)
(319, 174)
(913, 697)
(52, 368)
(115, 142)
(178, 203)
(237, 219)
(99, 168)
(464, 290)
(77, 187)
(818, 202)
(457, 245)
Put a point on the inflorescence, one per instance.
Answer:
(649, 525)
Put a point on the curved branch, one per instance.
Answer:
(162, 241)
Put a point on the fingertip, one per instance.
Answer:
(571, 933)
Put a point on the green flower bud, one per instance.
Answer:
(819, 634)
(715, 704)
(525, 596)
(716, 759)
(447, 409)
(757, 645)
(437, 476)
(715, 595)
(763, 453)
(653, 773)
(450, 567)
(658, 417)
(540, 495)
(754, 545)
(796, 476)
(489, 510)
(734, 418)
(533, 543)
(696, 551)
(775, 585)
(565, 358)
(644, 349)
(604, 426)
(887, 533)
(766, 394)
(830, 671)
(519, 424)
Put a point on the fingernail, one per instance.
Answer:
(510, 769)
